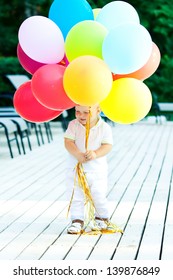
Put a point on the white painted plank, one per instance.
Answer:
(60, 248)
(32, 231)
(128, 242)
(141, 160)
(82, 248)
(167, 252)
(155, 221)
(24, 220)
(106, 246)
(36, 249)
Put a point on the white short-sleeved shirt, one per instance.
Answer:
(99, 134)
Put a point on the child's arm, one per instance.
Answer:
(103, 150)
(73, 150)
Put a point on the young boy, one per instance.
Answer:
(94, 164)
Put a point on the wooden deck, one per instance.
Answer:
(33, 205)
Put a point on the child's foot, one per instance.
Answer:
(99, 224)
(75, 227)
(105, 226)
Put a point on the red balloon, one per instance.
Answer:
(147, 70)
(47, 87)
(29, 108)
(30, 65)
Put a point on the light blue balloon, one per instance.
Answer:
(117, 12)
(67, 13)
(127, 48)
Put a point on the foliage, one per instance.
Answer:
(9, 65)
(9, 26)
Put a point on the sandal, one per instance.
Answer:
(75, 228)
(105, 226)
(98, 225)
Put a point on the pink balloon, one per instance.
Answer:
(29, 108)
(41, 39)
(47, 87)
(30, 65)
(66, 61)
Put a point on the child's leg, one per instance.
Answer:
(77, 205)
(77, 210)
(98, 186)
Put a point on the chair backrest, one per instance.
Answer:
(8, 124)
(22, 123)
(7, 109)
(17, 80)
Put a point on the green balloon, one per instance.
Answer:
(85, 38)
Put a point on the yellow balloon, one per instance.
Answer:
(96, 11)
(87, 80)
(129, 101)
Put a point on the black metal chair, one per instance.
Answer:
(48, 131)
(11, 133)
(38, 130)
(23, 132)
(25, 127)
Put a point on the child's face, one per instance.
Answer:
(82, 114)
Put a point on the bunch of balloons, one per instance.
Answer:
(80, 55)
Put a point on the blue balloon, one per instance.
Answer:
(67, 13)
(127, 48)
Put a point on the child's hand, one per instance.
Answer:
(90, 155)
(81, 157)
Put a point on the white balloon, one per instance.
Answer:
(41, 39)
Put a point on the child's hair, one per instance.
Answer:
(90, 107)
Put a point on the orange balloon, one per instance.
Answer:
(87, 80)
(147, 70)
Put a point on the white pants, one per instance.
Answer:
(98, 186)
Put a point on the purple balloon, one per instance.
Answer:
(30, 65)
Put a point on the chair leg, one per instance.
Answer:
(29, 142)
(23, 134)
(21, 139)
(20, 133)
(9, 140)
(64, 124)
(17, 142)
(48, 132)
(9, 144)
(40, 132)
(36, 133)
